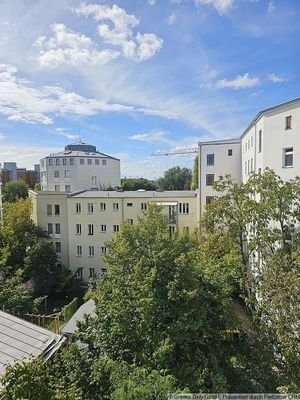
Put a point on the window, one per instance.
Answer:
(184, 208)
(288, 157)
(96, 161)
(68, 188)
(78, 208)
(288, 122)
(56, 174)
(259, 171)
(91, 251)
(245, 167)
(50, 162)
(144, 206)
(78, 251)
(116, 228)
(58, 247)
(130, 221)
(92, 272)
(103, 162)
(103, 250)
(57, 209)
(210, 179)
(102, 206)
(186, 230)
(57, 161)
(229, 152)
(57, 188)
(67, 173)
(49, 209)
(50, 229)
(115, 206)
(248, 166)
(251, 141)
(64, 161)
(103, 228)
(209, 199)
(71, 161)
(129, 204)
(78, 229)
(251, 165)
(90, 208)
(103, 270)
(171, 230)
(210, 159)
(89, 161)
(80, 273)
(57, 229)
(94, 180)
(259, 140)
(82, 161)
(90, 229)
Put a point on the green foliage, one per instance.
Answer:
(37, 187)
(15, 190)
(195, 177)
(136, 184)
(176, 178)
(26, 381)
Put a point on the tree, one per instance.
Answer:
(136, 184)
(176, 178)
(15, 190)
(195, 177)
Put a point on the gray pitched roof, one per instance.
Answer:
(88, 308)
(21, 340)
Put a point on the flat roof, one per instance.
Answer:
(20, 340)
(221, 141)
(134, 194)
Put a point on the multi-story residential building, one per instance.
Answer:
(79, 166)
(217, 158)
(10, 172)
(81, 223)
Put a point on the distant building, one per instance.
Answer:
(80, 223)
(79, 166)
(10, 172)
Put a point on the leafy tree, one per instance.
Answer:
(37, 187)
(14, 190)
(176, 178)
(195, 177)
(136, 184)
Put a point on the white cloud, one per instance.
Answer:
(64, 132)
(66, 47)
(151, 2)
(271, 6)
(276, 78)
(222, 6)
(2, 136)
(153, 137)
(240, 82)
(171, 18)
(120, 33)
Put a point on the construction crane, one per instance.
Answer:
(174, 152)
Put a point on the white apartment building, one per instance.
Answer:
(272, 140)
(81, 223)
(79, 166)
(217, 158)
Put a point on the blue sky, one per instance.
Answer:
(136, 76)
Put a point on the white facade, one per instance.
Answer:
(80, 223)
(79, 167)
(272, 141)
(217, 158)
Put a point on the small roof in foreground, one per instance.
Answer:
(135, 194)
(88, 308)
(21, 340)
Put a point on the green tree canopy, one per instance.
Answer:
(176, 178)
(195, 177)
(15, 190)
(136, 184)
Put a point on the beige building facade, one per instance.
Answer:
(81, 223)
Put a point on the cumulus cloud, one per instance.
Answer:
(240, 82)
(151, 2)
(118, 31)
(66, 47)
(65, 132)
(222, 6)
(276, 78)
